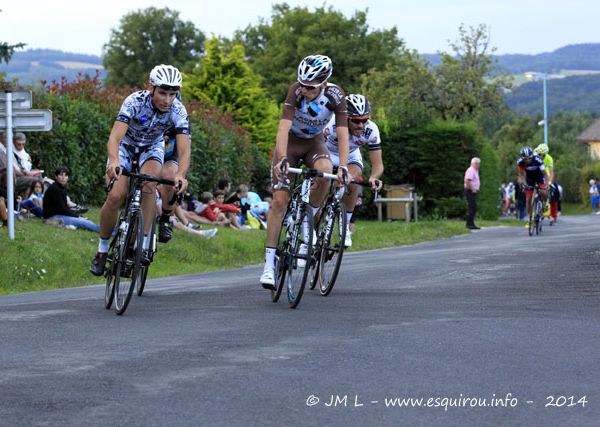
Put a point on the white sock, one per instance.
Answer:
(315, 210)
(146, 242)
(270, 258)
(348, 217)
(103, 245)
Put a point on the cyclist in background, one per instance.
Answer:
(308, 107)
(542, 152)
(139, 131)
(362, 132)
(531, 172)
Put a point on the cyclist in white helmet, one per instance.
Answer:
(362, 132)
(309, 105)
(138, 132)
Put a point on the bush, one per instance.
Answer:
(433, 158)
(489, 174)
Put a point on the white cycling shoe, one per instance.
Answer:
(348, 238)
(301, 262)
(267, 279)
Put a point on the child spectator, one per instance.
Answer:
(35, 200)
(211, 212)
(230, 210)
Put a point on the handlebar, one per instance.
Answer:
(144, 177)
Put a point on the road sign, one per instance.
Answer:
(21, 100)
(29, 120)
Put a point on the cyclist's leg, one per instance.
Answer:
(149, 167)
(317, 156)
(350, 199)
(274, 218)
(169, 170)
(109, 213)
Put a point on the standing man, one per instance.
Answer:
(471, 190)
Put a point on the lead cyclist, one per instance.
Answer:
(138, 131)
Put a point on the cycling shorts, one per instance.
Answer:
(309, 150)
(150, 152)
(354, 158)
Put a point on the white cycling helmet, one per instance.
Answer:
(358, 105)
(315, 68)
(166, 75)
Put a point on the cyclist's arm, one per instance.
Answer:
(282, 138)
(116, 136)
(376, 165)
(521, 178)
(184, 149)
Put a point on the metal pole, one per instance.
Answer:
(545, 114)
(10, 174)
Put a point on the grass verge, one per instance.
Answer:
(46, 257)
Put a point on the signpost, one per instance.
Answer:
(16, 114)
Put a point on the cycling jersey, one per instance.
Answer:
(369, 136)
(146, 124)
(534, 172)
(309, 118)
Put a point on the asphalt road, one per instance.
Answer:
(493, 328)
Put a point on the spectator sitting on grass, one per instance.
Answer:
(178, 220)
(35, 200)
(56, 208)
(211, 212)
(230, 210)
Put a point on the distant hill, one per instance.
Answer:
(34, 65)
(584, 56)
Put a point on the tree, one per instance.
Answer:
(467, 84)
(223, 78)
(7, 50)
(146, 38)
(275, 48)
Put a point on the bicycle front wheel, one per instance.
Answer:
(332, 249)
(141, 282)
(109, 290)
(299, 254)
(129, 263)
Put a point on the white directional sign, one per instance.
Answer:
(21, 100)
(29, 120)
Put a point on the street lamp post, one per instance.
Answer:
(534, 75)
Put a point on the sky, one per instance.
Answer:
(515, 26)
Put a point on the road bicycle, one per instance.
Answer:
(125, 271)
(294, 252)
(537, 213)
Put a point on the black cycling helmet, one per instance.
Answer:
(526, 152)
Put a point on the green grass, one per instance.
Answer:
(46, 257)
(576, 209)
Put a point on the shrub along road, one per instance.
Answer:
(492, 315)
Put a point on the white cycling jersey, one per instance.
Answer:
(147, 125)
(369, 136)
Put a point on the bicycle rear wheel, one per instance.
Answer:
(129, 263)
(297, 260)
(332, 249)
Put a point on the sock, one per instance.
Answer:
(164, 217)
(270, 258)
(348, 217)
(146, 241)
(314, 210)
(103, 245)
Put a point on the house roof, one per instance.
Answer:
(592, 133)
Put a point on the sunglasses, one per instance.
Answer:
(359, 120)
(309, 87)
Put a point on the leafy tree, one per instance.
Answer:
(401, 92)
(146, 38)
(274, 48)
(7, 50)
(223, 78)
(489, 173)
(467, 85)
